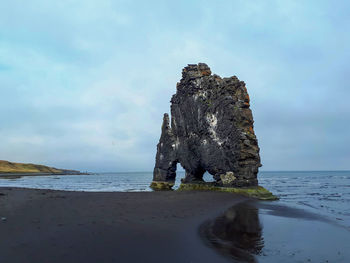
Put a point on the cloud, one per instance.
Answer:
(84, 84)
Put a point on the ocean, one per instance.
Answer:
(325, 193)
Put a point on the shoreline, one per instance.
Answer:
(65, 226)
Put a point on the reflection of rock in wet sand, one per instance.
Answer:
(236, 233)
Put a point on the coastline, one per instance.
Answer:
(41, 174)
(61, 226)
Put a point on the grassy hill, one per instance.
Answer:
(25, 168)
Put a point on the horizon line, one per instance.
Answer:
(270, 171)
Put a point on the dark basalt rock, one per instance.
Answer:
(211, 130)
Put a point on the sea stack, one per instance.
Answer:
(211, 129)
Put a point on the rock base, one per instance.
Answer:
(257, 192)
(162, 186)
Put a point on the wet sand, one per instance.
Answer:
(270, 232)
(57, 226)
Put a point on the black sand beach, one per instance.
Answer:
(53, 226)
(57, 226)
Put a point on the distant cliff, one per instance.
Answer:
(211, 130)
(28, 168)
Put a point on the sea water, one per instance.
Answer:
(322, 192)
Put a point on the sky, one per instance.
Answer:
(84, 84)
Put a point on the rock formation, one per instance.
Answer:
(211, 130)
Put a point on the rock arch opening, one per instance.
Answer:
(180, 176)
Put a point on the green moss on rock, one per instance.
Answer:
(160, 186)
(257, 192)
